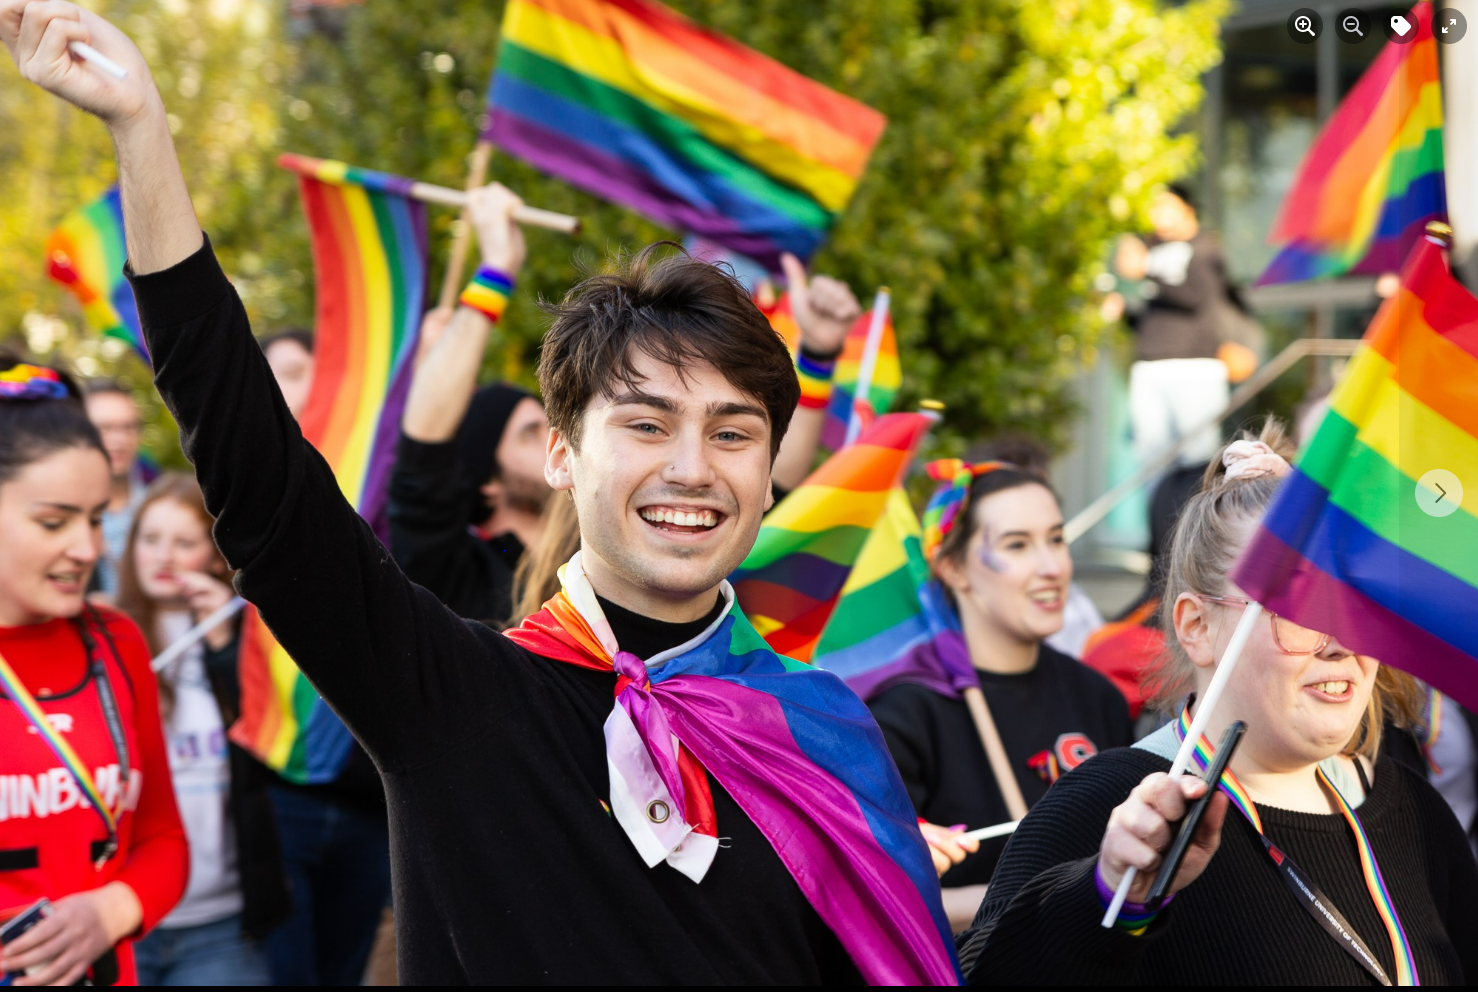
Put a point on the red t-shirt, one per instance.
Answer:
(48, 837)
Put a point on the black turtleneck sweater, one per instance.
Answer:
(506, 865)
(1237, 924)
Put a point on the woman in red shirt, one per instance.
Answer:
(75, 692)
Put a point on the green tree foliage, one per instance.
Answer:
(1023, 135)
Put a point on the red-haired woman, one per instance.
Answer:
(170, 577)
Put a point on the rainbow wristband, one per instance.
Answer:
(1134, 918)
(815, 379)
(488, 292)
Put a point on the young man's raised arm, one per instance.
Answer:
(392, 661)
(446, 371)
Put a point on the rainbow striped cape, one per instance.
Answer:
(369, 258)
(1373, 178)
(887, 374)
(1347, 547)
(86, 254)
(793, 578)
(634, 103)
(800, 754)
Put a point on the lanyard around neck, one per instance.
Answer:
(1308, 894)
(11, 684)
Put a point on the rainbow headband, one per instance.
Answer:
(32, 382)
(954, 476)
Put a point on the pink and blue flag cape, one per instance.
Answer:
(796, 749)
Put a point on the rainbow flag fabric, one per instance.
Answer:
(1349, 546)
(799, 753)
(809, 543)
(86, 254)
(634, 103)
(887, 374)
(1373, 178)
(369, 258)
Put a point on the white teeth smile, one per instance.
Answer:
(1050, 596)
(1333, 688)
(680, 518)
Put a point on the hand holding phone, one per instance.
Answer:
(19, 924)
(1160, 888)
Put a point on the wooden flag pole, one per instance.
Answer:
(451, 283)
(995, 752)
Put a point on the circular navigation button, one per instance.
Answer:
(1439, 493)
(1352, 25)
(1305, 25)
(1449, 26)
(1400, 28)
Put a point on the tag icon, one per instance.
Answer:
(1400, 25)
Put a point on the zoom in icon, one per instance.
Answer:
(1305, 25)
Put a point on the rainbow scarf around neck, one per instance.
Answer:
(797, 750)
(1375, 883)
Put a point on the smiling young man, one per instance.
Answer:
(630, 787)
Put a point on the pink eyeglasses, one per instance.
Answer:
(1289, 637)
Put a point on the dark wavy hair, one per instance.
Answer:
(676, 309)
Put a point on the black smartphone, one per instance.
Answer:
(19, 924)
(1192, 818)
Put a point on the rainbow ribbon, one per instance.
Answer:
(11, 683)
(1375, 884)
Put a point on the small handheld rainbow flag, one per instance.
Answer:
(1359, 543)
(808, 544)
(887, 375)
(86, 254)
(369, 259)
(1373, 178)
(636, 104)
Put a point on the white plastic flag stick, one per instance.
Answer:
(87, 53)
(986, 833)
(1206, 706)
(189, 638)
(869, 362)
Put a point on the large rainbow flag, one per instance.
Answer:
(1373, 178)
(887, 374)
(808, 545)
(369, 258)
(1347, 547)
(86, 254)
(634, 103)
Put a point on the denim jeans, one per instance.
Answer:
(338, 868)
(211, 954)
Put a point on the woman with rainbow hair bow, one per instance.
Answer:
(993, 535)
(87, 812)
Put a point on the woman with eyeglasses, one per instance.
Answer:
(1328, 865)
(87, 811)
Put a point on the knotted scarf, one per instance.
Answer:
(797, 750)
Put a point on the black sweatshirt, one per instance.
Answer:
(1051, 718)
(1238, 923)
(506, 866)
(432, 542)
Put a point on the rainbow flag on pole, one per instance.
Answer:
(634, 103)
(1373, 178)
(369, 259)
(86, 254)
(1372, 538)
(803, 559)
(887, 375)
